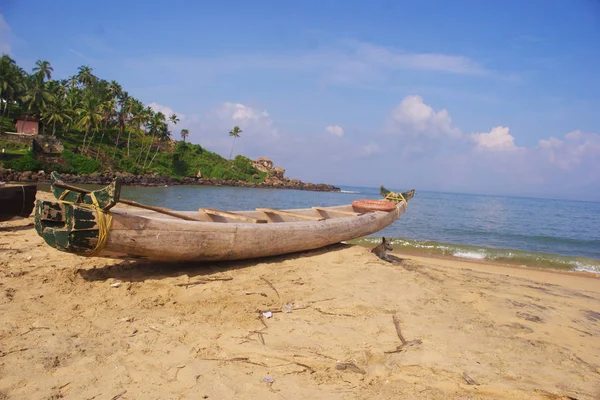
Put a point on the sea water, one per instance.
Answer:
(561, 234)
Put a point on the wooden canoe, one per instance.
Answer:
(203, 235)
(16, 201)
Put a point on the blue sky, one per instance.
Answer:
(466, 96)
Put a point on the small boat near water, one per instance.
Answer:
(16, 200)
(91, 224)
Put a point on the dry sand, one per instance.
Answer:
(65, 332)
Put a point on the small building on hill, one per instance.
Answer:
(27, 126)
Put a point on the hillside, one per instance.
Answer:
(172, 162)
(89, 126)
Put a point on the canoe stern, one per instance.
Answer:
(67, 227)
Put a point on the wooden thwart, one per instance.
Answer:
(226, 214)
(349, 213)
(289, 213)
(132, 203)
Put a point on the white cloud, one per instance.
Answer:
(391, 58)
(5, 34)
(577, 148)
(431, 141)
(305, 154)
(254, 122)
(168, 111)
(348, 62)
(372, 149)
(414, 117)
(335, 130)
(441, 157)
(259, 138)
(498, 139)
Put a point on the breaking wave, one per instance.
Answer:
(503, 256)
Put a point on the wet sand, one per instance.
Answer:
(79, 328)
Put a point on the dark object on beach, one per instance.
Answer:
(88, 224)
(381, 249)
(16, 201)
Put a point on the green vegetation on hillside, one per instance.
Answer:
(13, 148)
(102, 128)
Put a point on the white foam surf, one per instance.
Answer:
(472, 255)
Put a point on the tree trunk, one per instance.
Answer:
(128, 139)
(85, 138)
(116, 144)
(101, 138)
(139, 156)
(53, 128)
(90, 142)
(148, 153)
(230, 154)
(155, 154)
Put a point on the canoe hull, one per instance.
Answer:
(140, 235)
(170, 240)
(88, 224)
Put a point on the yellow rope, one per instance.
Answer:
(104, 220)
(396, 198)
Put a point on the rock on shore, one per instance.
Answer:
(127, 179)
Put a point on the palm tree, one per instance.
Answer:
(56, 112)
(184, 134)
(148, 114)
(174, 119)
(138, 117)
(11, 81)
(235, 132)
(164, 134)
(125, 106)
(36, 97)
(73, 82)
(115, 89)
(85, 76)
(90, 115)
(108, 108)
(71, 105)
(158, 126)
(43, 70)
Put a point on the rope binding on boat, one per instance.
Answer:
(103, 219)
(397, 197)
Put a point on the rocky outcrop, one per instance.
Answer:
(263, 164)
(278, 172)
(275, 173)
(128, 179)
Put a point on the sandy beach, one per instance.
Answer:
(78, 328)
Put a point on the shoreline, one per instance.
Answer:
(498, 256)
(492, 263)
(153, 180)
